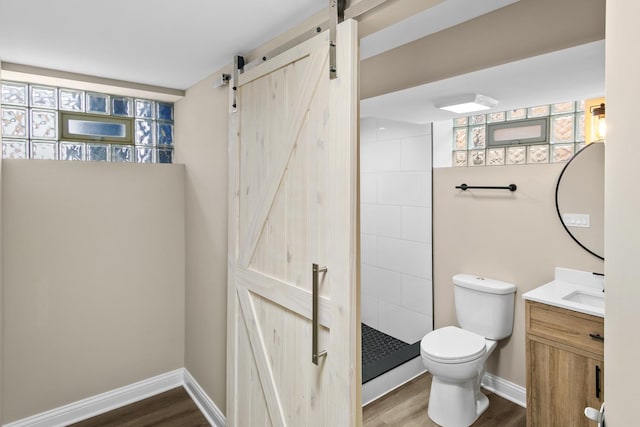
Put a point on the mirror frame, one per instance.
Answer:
(558, 207)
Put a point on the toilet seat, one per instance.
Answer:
(452, 345)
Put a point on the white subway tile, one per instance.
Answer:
(368, 217)
(417, 294)
(369, 248)
(401, 323)
(404, 256)
(369, 310)
(381, 220)
(391, 129)
(383, 284)
(381, 156)
(416, 224)
(368, 130)
(405, 188)
(368, 188)
(416, 153)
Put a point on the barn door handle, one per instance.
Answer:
(315, 354)
(597, 382)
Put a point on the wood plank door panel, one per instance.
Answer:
(293, 201)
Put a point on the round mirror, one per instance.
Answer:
(580, 198)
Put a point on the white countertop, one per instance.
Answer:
(566, 282)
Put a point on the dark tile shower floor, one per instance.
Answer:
(382, 352)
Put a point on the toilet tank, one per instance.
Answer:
(484, 306)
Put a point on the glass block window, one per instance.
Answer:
(472, 145)
(44, 122)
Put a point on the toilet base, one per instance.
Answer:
(455, 404)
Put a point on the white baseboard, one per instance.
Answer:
(101, 403)
(105, 402)
(206, 405)
(503, 388)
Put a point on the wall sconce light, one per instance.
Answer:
(467, 103)
(598, 123)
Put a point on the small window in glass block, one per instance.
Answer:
(144, 132)
(44, 97)
(165, 111)
(98, 152)
(165, 155)
(14, 93)
(144, 108)
(121, 106)
(15, 149)
(44, 150)
(165, 133)
(121, 153)
(14, 122)
(97, 103)
(44, 124)
(72, 151)
(72, 100)
(580, 105)
(144, 154)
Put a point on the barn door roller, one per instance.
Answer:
(336, 15)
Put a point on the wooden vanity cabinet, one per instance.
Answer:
(565, 365)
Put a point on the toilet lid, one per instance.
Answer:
(452, 345)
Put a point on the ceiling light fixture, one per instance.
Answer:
(466, 103)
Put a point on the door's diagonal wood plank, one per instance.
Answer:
(259, 351)
(284, 59)
(285, 294)
(316, 69)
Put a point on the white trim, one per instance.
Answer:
(101, 403)
(391, 380)
(503, 388)
(209, 409)
(114, 399)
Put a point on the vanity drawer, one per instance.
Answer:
(582, 331)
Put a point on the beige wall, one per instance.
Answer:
(521, 30)
(514, 237)
(94, 279)
(622, 238)
(201, 144)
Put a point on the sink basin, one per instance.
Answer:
(586, 298)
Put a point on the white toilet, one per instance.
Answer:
(455, 357)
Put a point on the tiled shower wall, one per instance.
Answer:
(395, 167)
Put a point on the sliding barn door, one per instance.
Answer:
(293, 200)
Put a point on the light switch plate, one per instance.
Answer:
(576, 220)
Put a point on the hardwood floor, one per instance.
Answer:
(407, 407)
(173, 408)
(403, 407)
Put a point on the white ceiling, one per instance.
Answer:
(566, 75)
(170, 43)
(176, 43)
